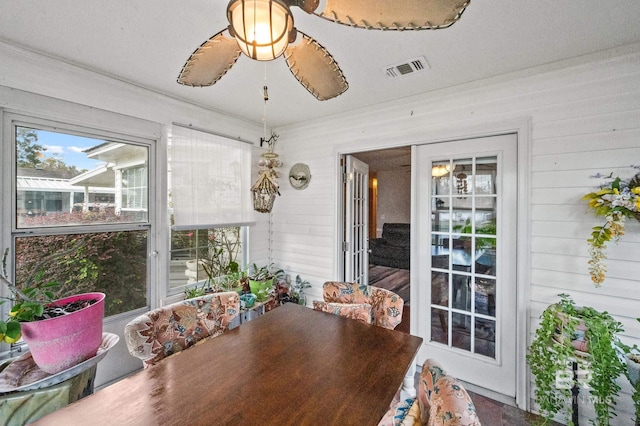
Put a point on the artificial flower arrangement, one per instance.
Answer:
(616, 201)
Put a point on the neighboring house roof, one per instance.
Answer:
(102, 176)
(28, 183)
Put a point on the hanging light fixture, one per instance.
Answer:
(261, 27)
(440, 170)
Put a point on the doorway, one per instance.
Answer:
(389, 216)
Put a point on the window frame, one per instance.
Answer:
(95, 125)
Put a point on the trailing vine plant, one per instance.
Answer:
(558, 343)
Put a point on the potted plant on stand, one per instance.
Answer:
(60, 333)
(632, 359)
(262, 280)
(297, 291)
(580, 340)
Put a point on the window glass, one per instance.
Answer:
(199, 254)
(60, 178)
(114, 263)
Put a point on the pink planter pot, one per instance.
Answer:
(59, 343)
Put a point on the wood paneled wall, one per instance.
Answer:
(585, 118)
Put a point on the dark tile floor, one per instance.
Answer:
(495, 413)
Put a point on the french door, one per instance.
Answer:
(356, 227)
(466, 223)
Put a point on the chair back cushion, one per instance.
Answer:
(442, 399)
(357, 311)
(387, 306)
(165, 331)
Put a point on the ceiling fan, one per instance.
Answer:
(263, 30)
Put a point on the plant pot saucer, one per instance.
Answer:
(22, 373)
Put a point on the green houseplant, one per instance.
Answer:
(233, 281)
(297, 290)
(632, 359)
(262, 280)
(488, 228)
(28, 304)
(583, 335)
(60, 333)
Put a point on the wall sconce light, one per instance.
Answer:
(263, 28)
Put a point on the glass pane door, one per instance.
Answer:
(463, 254)
(466, 205)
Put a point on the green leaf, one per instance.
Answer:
(13, 330)
(37, 309)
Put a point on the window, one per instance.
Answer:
(134, 189)
(81, 210)
(209, 205)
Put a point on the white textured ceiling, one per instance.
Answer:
(146, 42)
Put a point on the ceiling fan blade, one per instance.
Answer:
(395, 14)
(210, 61)
(315, 68)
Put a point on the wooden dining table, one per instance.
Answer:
(292, 365)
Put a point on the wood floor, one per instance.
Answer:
(394, 279)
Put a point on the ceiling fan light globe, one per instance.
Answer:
(261, 27)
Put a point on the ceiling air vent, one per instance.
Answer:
(409, 67)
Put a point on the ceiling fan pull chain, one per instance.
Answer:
(265, 96)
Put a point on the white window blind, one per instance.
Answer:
(210, 180)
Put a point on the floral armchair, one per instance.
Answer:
(386, 306)
(164, 331)
(357, 311)
(441, 400)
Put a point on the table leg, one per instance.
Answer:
(408, 389)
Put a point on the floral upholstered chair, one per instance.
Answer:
(165, 331)
(386, 306)
(441, 400)
(357, 311)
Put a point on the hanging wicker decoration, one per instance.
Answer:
(266, 188)
(264, 193)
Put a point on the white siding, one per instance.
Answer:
(585, 118)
